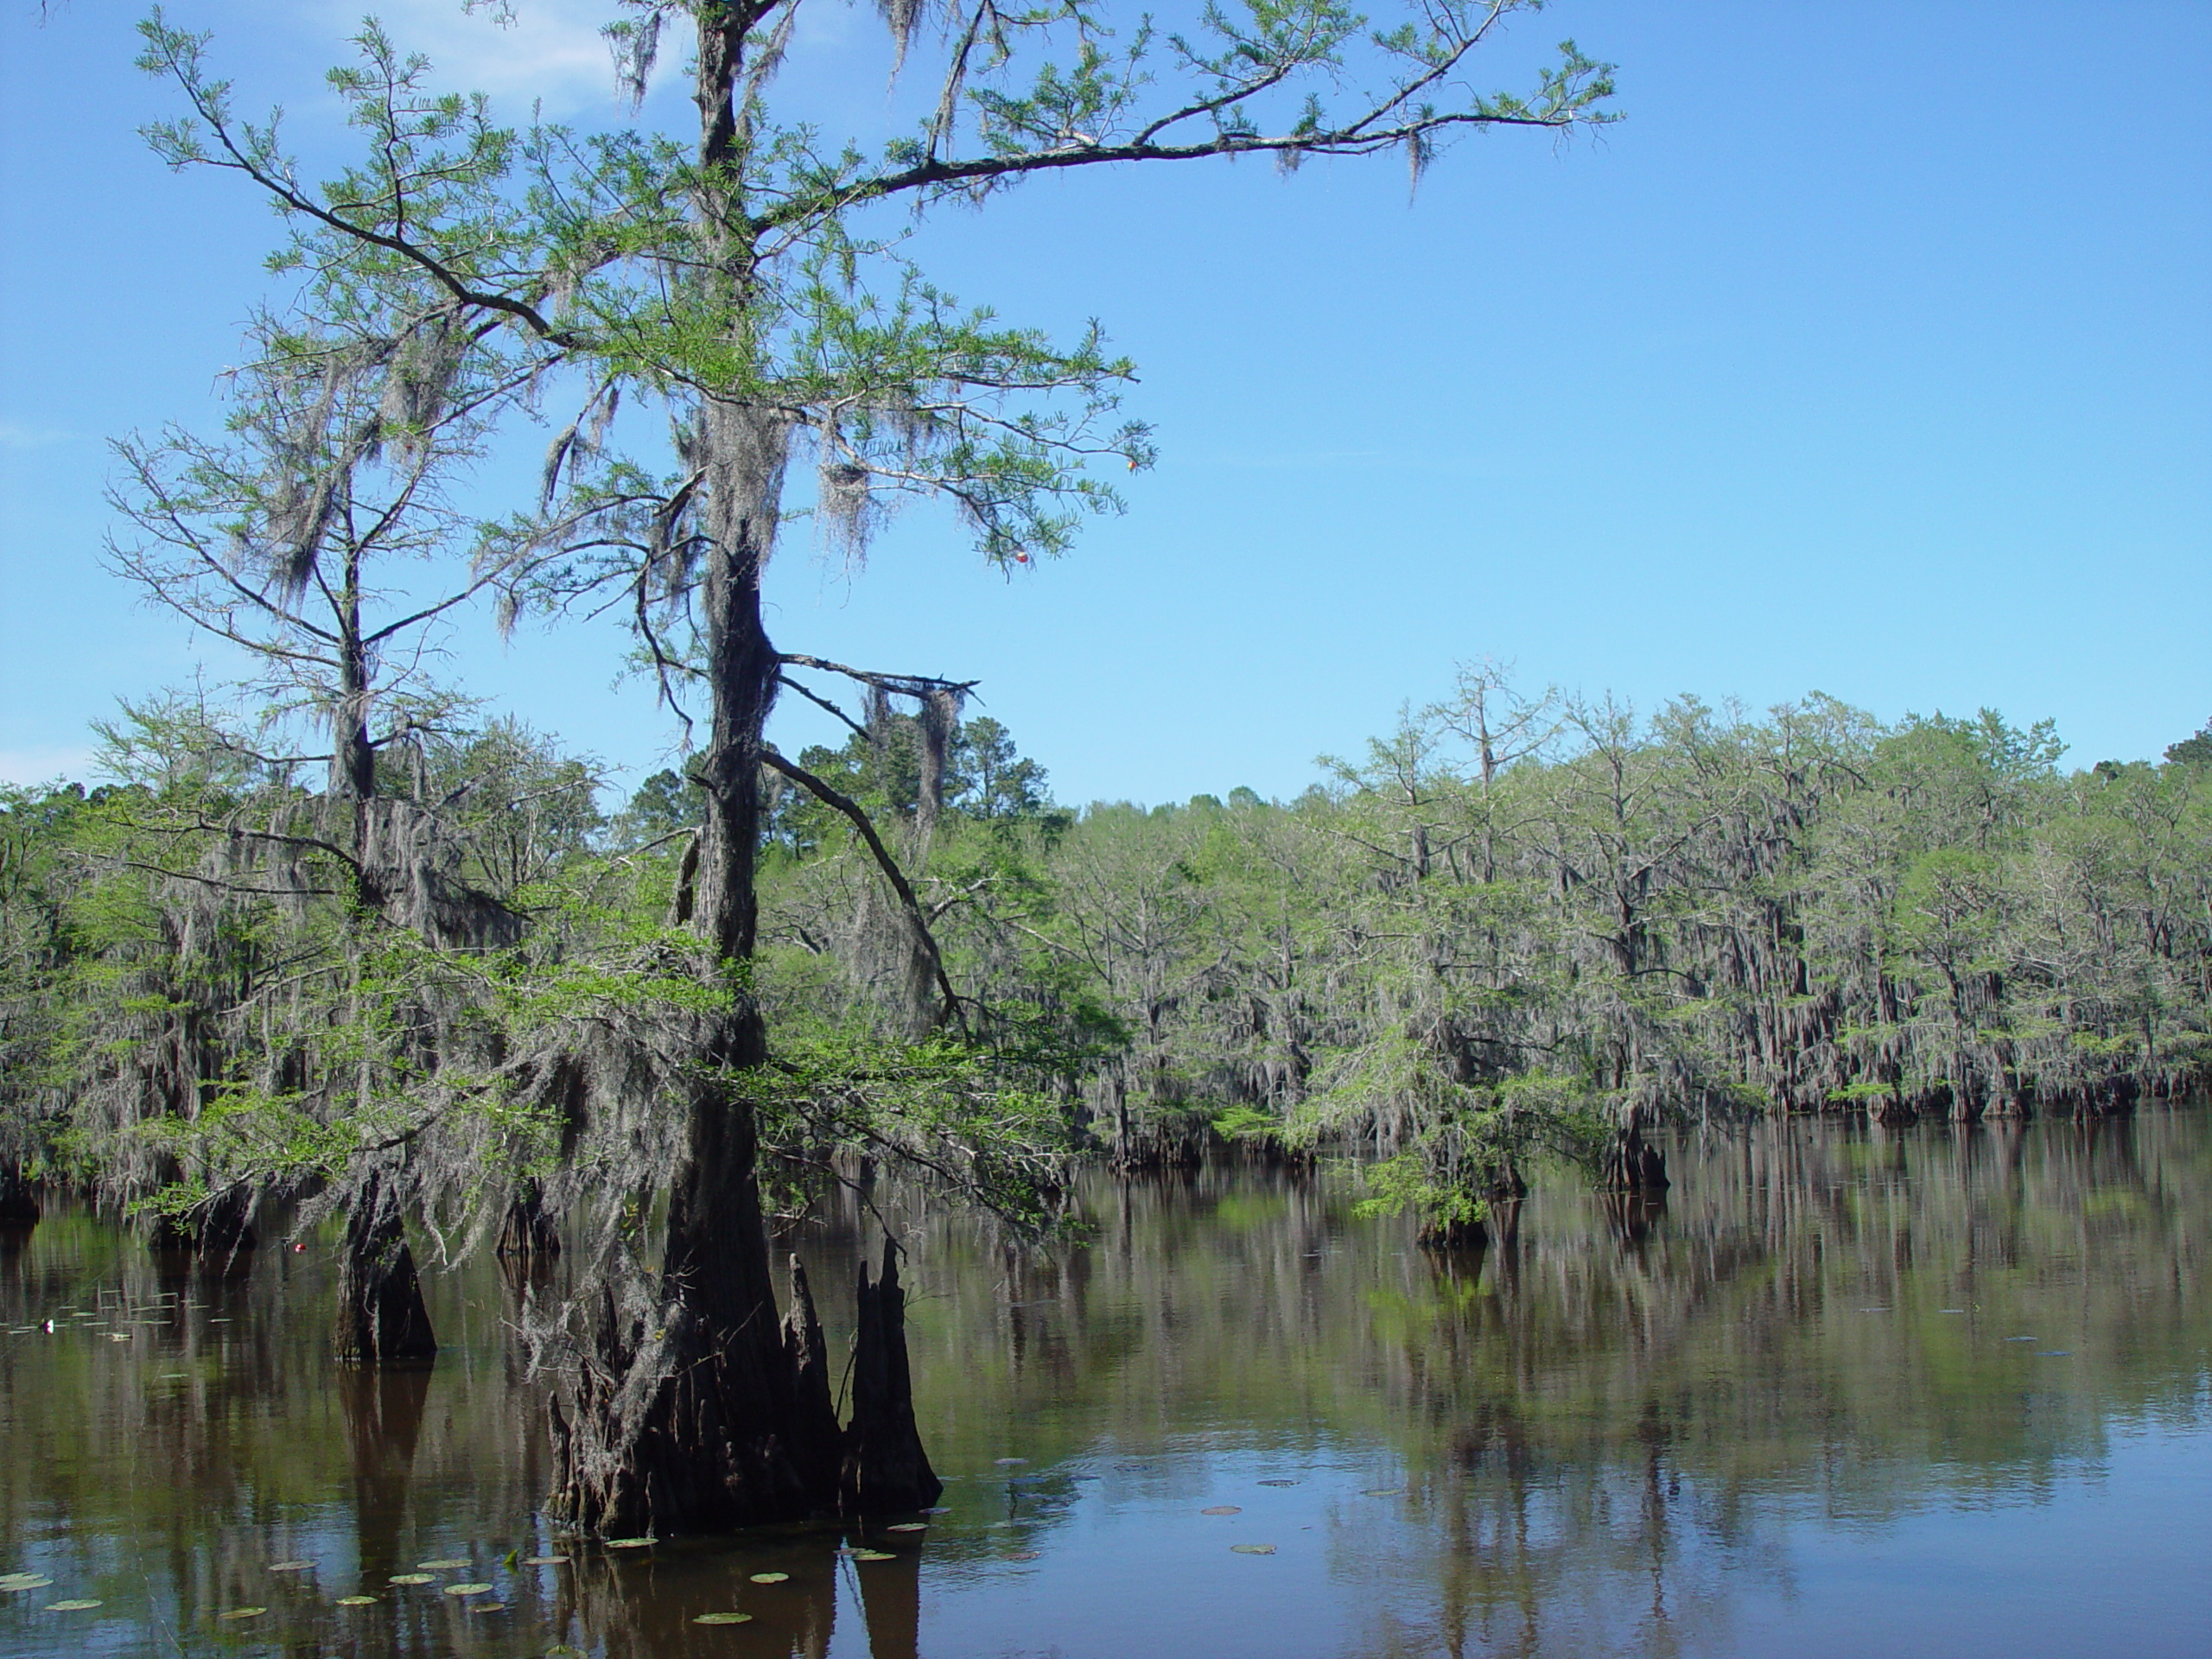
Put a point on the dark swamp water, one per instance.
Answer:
(1851, 1392)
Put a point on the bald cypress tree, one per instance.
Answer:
(745, 280)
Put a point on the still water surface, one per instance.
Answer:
(1848, 1392)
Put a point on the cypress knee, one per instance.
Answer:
(884, 1466)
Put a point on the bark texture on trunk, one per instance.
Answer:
(885, 1467)
(381, 1318)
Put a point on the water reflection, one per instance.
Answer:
(1937, 1386)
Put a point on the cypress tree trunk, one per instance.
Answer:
(1453, 1235)
(706, 1416)
(381, 1318)
(885, 1468)
(1631, 1164)
(694, 1424)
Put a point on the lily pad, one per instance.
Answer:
(1253, 1549)
(769, 1578)
(910, 1526)
(238, 1613)
(357, 1601)
(875, 1555)
(632, 1543)
(24, 1581)
(545, 1561)
(448, 1564)
(723, 1619)
(487, 1607)
(468, 1589)
(291, 1566)
(86, 1606)
(1222, 1509)
(411, 1578)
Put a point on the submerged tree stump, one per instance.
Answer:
(381, 1318)
(885, 1467)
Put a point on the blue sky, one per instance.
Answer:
(1871, 352)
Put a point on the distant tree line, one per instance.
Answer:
(1524, 923)
(1515, 926)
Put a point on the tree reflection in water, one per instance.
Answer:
(1628, 1425)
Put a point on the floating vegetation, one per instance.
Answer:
(939, 1510)
(1252, 1549)
(545, 1561)
(357, 1601)
(487, 1607)
(449, 1565)
(723, 1619)
(1222, 1509)
(909, 1526)
(1384, 1491)
(769, 1578)
(411, 1578)
(291, 1566)
(1278, 1483)
(23, 1581)
(87, 1605)
(468, 1589)
(875, 1555)
(632, 1543)
(230, 1618)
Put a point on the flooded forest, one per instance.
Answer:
(1572, 1200)
(1578, 1178)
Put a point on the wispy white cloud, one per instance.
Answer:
(545, 49)
(13, 435)
(43, 765)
